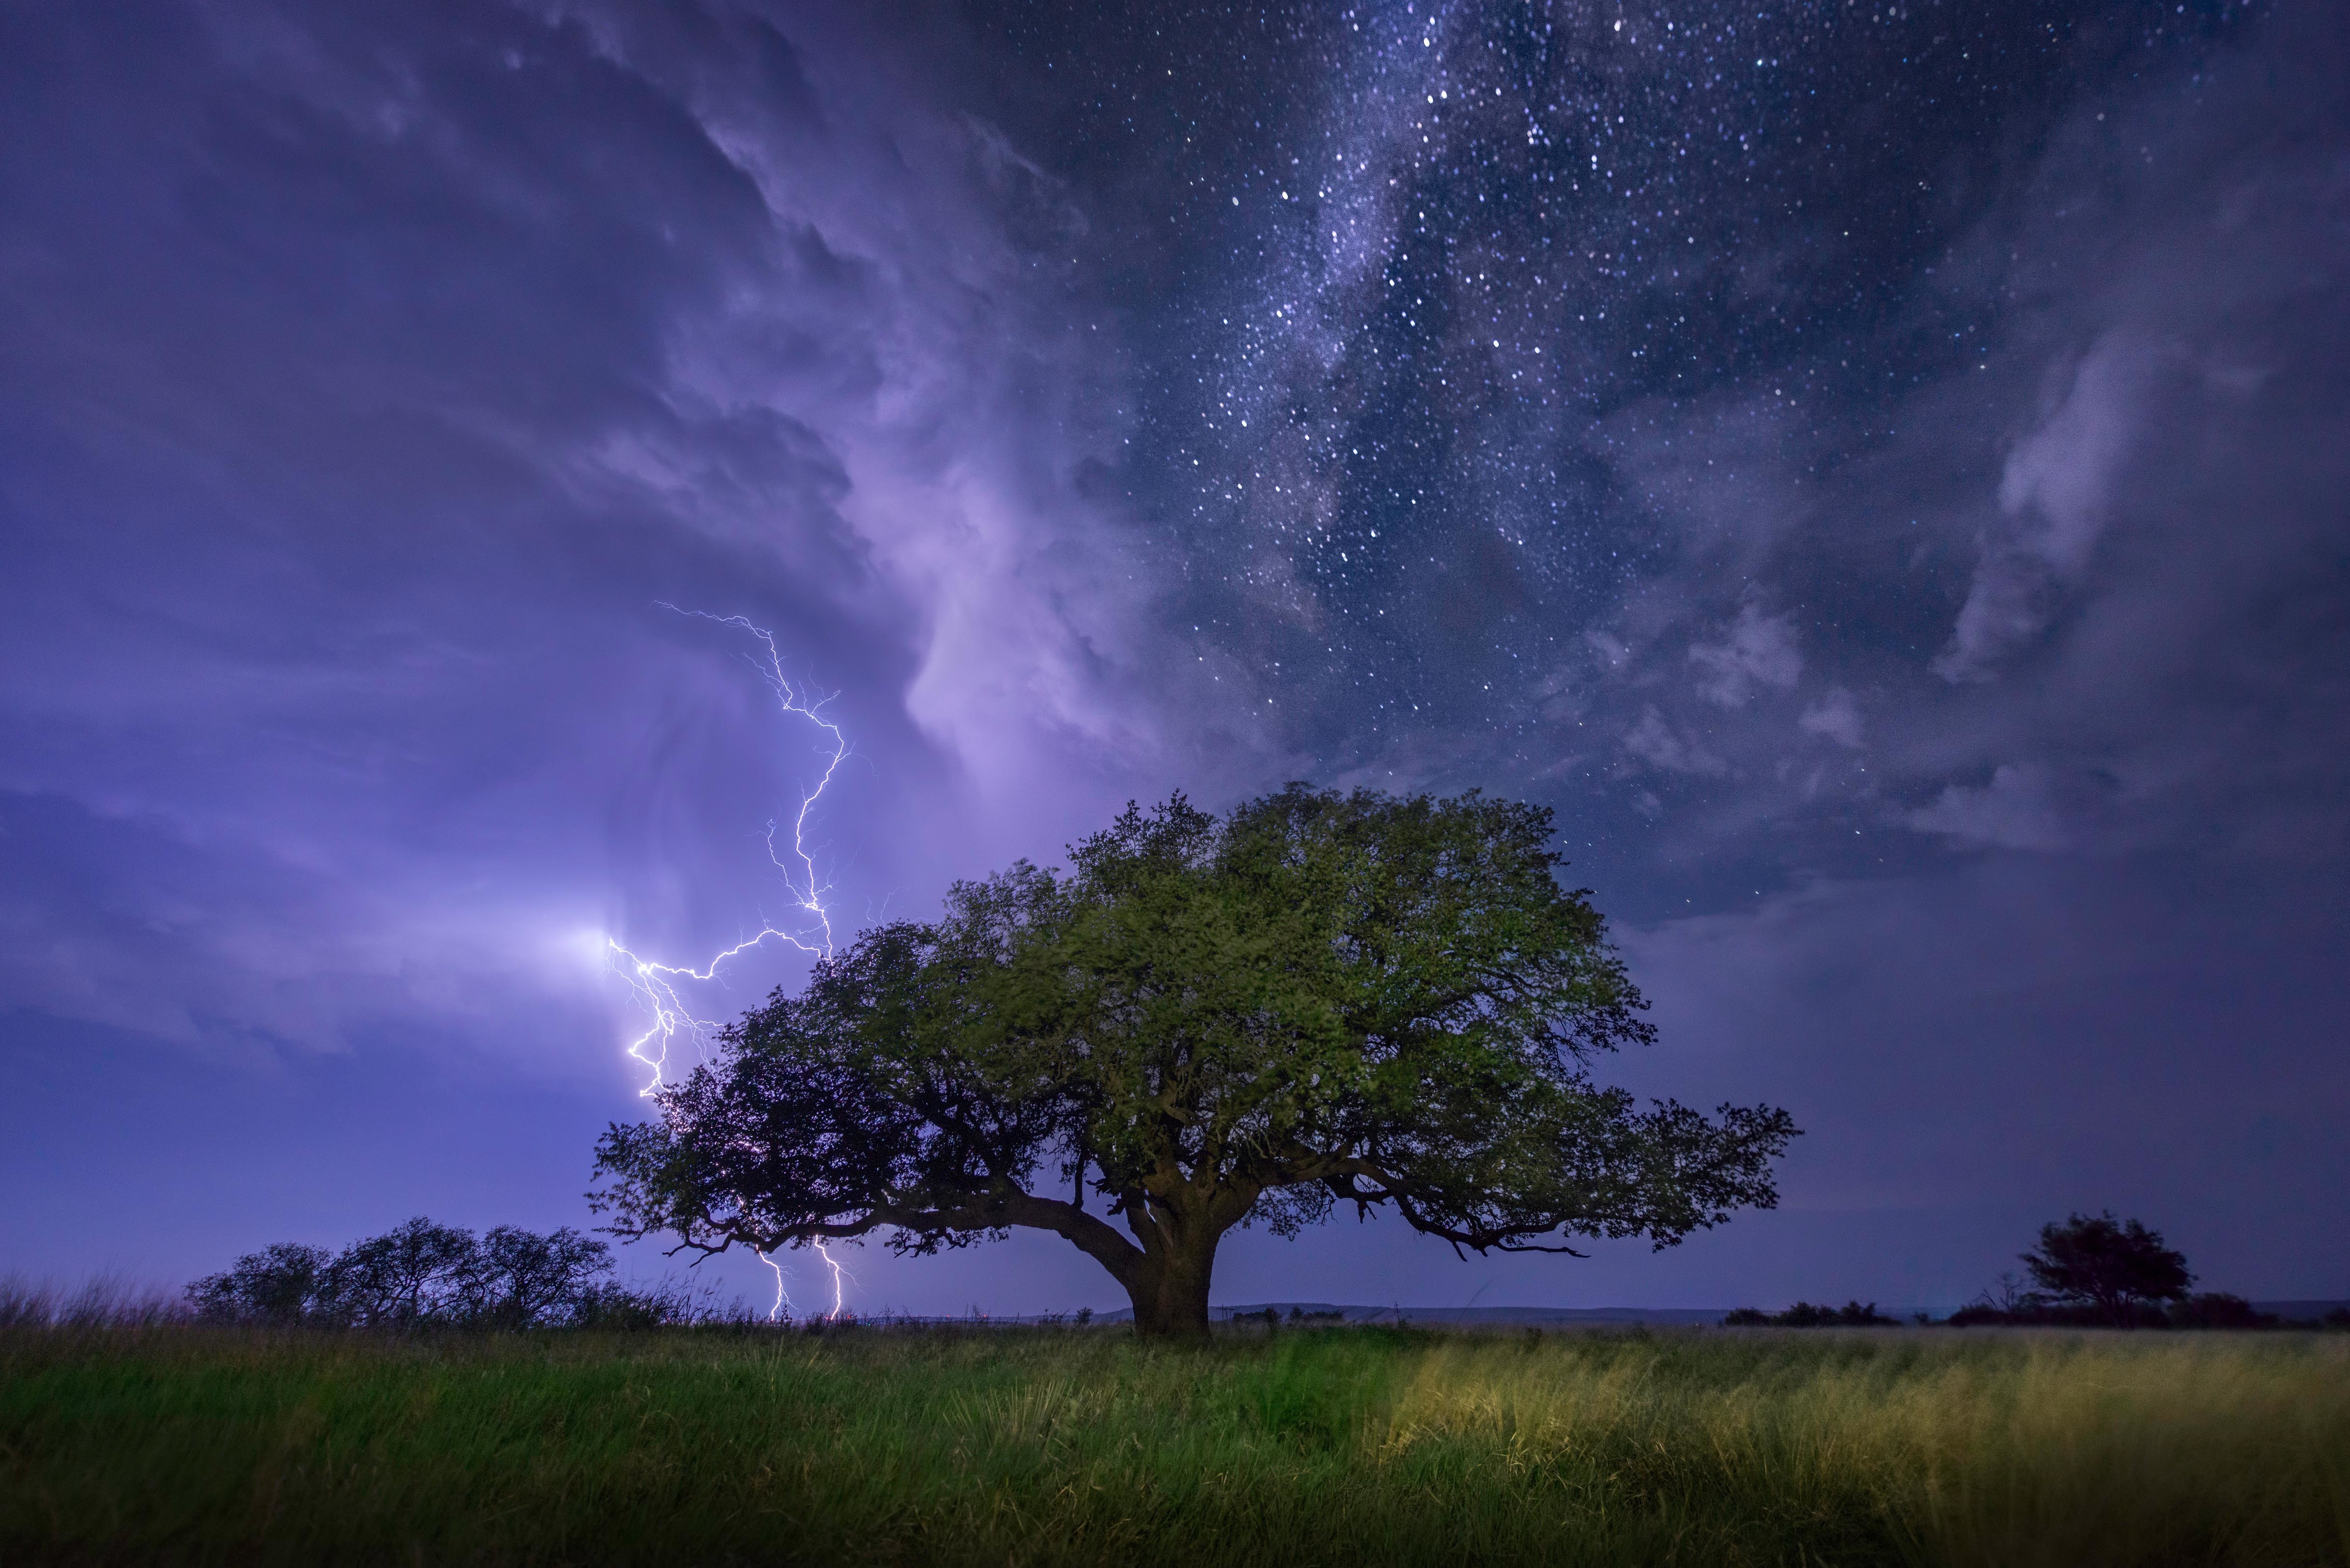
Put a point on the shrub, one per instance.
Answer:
(516, 1278)
(414, 1273)
(1803, 1315)
(2217, 1309)
(285, 1282)
(421, 1273)
(626, 1309)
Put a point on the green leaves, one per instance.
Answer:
(1320, 997)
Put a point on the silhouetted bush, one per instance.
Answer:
(421, 1273)
(2033, 1312)
(2212, 1308)
(632, 1309)
(285, 1282)
(414, 1273)
(1803, 1315)
(2217, 1309)
(516, 1277)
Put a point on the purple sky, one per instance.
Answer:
(1885, 481)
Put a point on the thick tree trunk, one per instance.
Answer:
(1170, 1291)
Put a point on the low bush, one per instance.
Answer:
(422, 1274)
(2208, 1309)
(1803, 1315)
(2217, 1309)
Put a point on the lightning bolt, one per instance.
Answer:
(655, 985)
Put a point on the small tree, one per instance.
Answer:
(411, 1273)
(421, 1272)
(2116, 1269)
(516, 1278)
(285, 1282)
(1320, 999)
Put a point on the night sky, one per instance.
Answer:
(1881, 472)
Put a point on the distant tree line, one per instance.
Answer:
(1803, 1315)
(422, 1274)
(2088, 1272)
(1298, 1317)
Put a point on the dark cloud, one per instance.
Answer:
(371, 380)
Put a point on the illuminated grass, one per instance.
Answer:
(1341, 1446)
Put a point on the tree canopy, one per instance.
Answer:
(2112, 1267)
(420, 1274)
(1317, 999)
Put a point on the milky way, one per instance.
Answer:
(1621, 396)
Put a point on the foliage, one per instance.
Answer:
(2217, 1309)
(612, 1308)
(421, 1273)
(1983, 1315)
(2116, 1269)
(1803, 1315)
(2099, 1272)
(2038, 1312)
(412, 1273)
(1319, 999)
(285, 1282)
(1367, 1447)
(517, 1278)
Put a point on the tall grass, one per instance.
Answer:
(105, 1302)
(188, 1444)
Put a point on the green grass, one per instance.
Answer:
(1340, 1446)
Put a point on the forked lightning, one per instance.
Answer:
(655, 985)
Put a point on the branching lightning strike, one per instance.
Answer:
(655, 985)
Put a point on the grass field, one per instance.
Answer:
(1337, 1446)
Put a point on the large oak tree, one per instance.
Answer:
(1318, 999)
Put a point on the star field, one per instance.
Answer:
(1428, 303)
